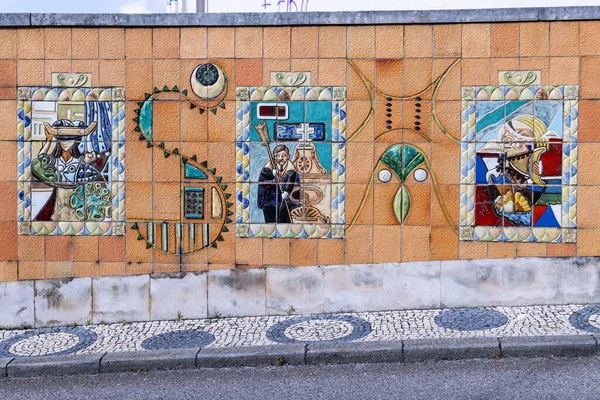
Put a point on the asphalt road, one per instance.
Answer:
(541, 378)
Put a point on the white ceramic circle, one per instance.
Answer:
(385, 175)
(420, 175)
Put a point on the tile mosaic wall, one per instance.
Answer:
(393, 143)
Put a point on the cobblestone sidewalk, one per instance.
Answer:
(330, 328)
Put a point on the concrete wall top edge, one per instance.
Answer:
(309, 18)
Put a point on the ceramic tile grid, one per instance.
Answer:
(267, 330)
(519, 163)
(74, 183)
(309, 123)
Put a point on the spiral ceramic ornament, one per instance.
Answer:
(208, 81)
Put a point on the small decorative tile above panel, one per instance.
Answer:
(519, 161)
(291, 79)
(70, 158)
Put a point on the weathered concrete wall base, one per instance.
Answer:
(337, 288)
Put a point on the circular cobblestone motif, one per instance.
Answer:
(587, 319)
(183, 339)
(319, 328)
(470, 319)
(47, 342)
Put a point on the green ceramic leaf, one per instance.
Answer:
(402, 159)
(401, 204)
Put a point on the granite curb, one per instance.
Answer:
(398, 351)
(524, 14)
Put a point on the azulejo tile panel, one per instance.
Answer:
(519, 163)
(71, 161)
(290, 162)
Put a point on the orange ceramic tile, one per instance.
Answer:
(472, 250)
(531, 249)
(588, 243)
(85, 269)
(450, 195)
(138, 268)
(387, 74)
(7, 150)
(476, 72)
(248, 42)
(535, 63)
(220, 267)
(331, 252)
(85, 248)
(420, 119)
(112, 43)
(359, 203)
(8, 117)
(588, 212)
(229, 67)
(534, 39)
(29, 270)
(167, 201)
(167, 121)
(447, 112)
(303, 252)
(8, 38)
(476, 39)
(108, 268)
(387, 243)
(30, 43)
(166, 73)
(505, 40)
(562, 249)
(138, 42)
(225, 252)
(112, 248)
(195, 267)
(139, 162)
(8, 195)
(194, 125)
(590, 68)
(446, 40)
(445, 161)
(166, 268)
(588, 158)
(57, 43)
(359, 244)
(55, 66)
(165, 43)
(197, 257)
(361, 41)
(9, 72)
(58, 269)
(248, 72)
(384, 194)
(417, 77)
(160, 257)
(502, 250)
(305, 42)
(444, 244)
(276, 42)
(389, 41)
(415, 243)
(138, 205)
(248, 251)
(588, 121)
(87, 66)
(564, 39)
(420, 206)
(359, 162)
(357, 89)
(221, 126)
(8, 271)
(418, 41)
(139, 79)
(112, 73)
(85, 43)
(274, 65)
(220, 156)
(502, 64)
(564, 70)
(193, 43)
(589, 40)
(221, 42)
(332, 42)
(58, 248)
(306, 65)
(136, 250)
(31, 248)
(8, 93)
(199, 149)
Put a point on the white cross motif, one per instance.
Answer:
(305, 130)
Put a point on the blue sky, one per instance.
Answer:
(83, 6)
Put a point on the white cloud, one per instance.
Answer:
(134, 7)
